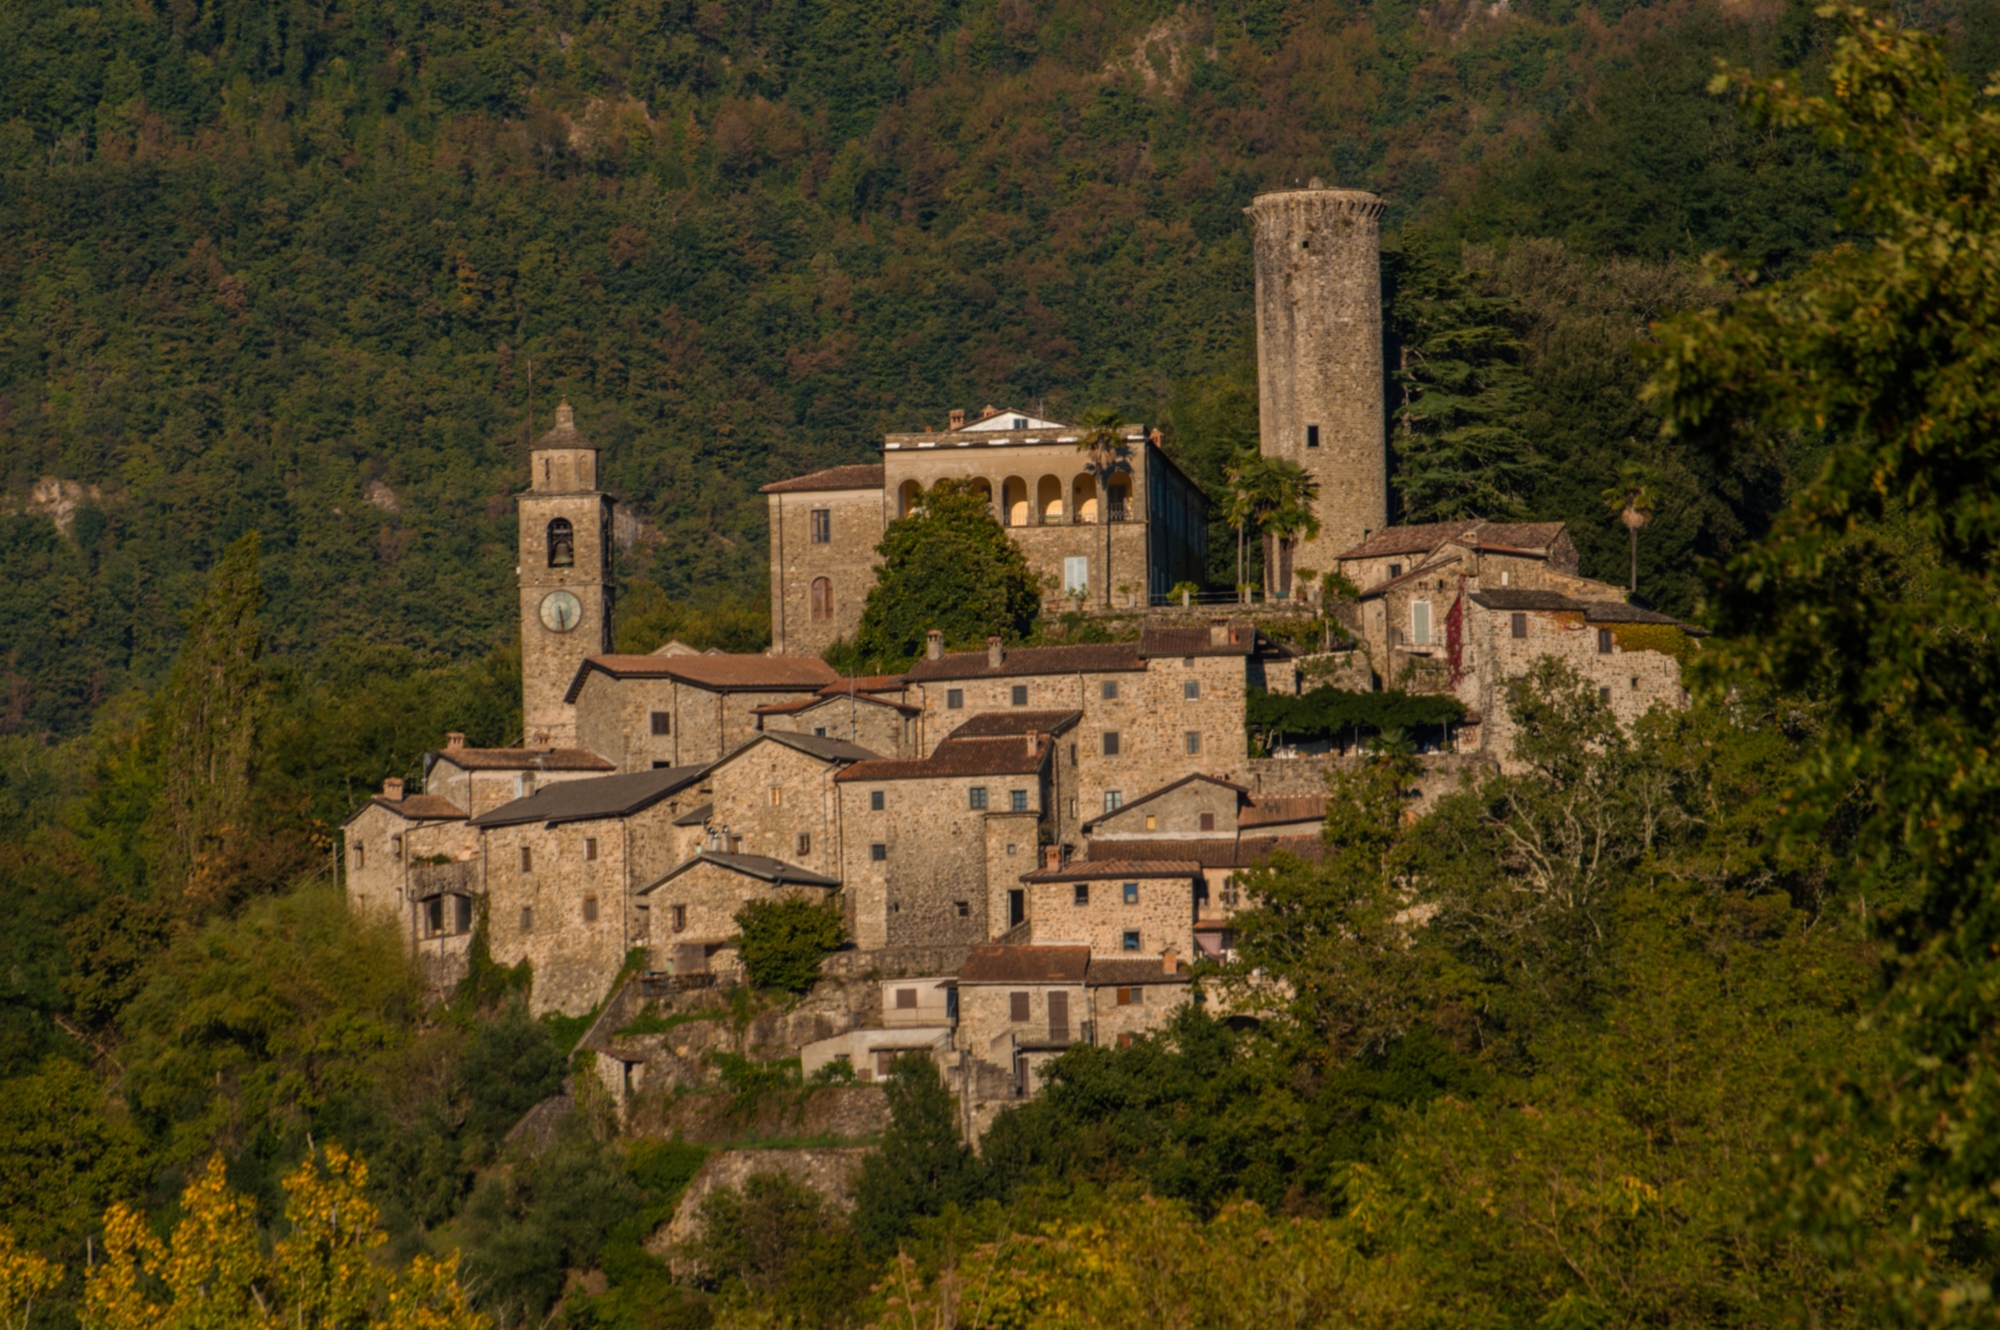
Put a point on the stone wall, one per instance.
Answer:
(1319, 354)
(847, 561)
(710, 895)
(876, 726)
(550, 657)
(1149, 1008)
(614, 720)
(830, 1172)
(1162, 914)
(770, 794)
(987, 1029)
(940, 854)
(1630, 682)
(1179, 812)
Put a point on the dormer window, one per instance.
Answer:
(1020, 422)
(562, 544)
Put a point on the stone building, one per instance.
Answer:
(1319, 354)
(1465, 607)
(562, 873)
(934, 847)
(693, 907)
(825, 526)
(477, 780)
(868, 711)
(1150, 711)
(670, 710)
(566, 577)
(776, 796)
(1118, 908)
(412, 859)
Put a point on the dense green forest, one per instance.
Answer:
(284, 268)
(1686, 1025)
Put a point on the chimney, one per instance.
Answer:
(958, 417)
(455, 739)
(392, 788)
(990, 412)
(1171, 962)
(1155, 436)
(934, 645)
(996, 653)
(1052, 856)
(1034, 743)
(1218, 632)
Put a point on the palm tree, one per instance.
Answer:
(1239, 509)
(1632, 501)
(1278, 496)
(1103, 440)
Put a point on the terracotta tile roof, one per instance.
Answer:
(1147, 798)
(991, 963)
(1089, 658)
(825, 698)
(416, 808)
(1122, 973)
(1015, 724)
(1097, 870)
(592, 799)
(762, 867)
(860, 476)
(1271, 809)
(1593, 610)
(1166, 641)
(716, 672)
(1219, 852)
(1423, 537)
(523, 759)
(998, 756)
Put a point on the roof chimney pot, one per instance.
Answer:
(996, 653)
(1171, 961)
(958, 417)
(1052, 856)
(392, 788)
(454, 739)
(934, 645)
(1034, 743)
(1218, 632)
(990, 412)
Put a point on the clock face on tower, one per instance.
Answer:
(561, 611)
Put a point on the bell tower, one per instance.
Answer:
(565, 574)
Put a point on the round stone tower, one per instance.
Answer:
(1319, 355)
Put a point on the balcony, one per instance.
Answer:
(458, 878)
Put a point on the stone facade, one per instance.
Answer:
(1193, 806)
(824, 530)
(1131, 999)
(566, 577)
(1119, 909)
(478, 780)
(651, 711)
(776, 797)
(1319, 354)
(873, 721)
(695, 905)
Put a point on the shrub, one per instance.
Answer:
(785, 940)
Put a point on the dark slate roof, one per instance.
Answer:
(1593, 611)
(523, 759)
(1422, 537)
(1501, 598)
(823, 747)
(860, 476)
(1209, 852)
(1088, 658)
(695, 817)
(1122, 809)
(992, 963)
(1122, 973)
(716, 672)
(1267, 810)
(762, 867)
(592, 799)
(1014, 724)
(1001, 755)
(1097, 870)
(415, 808)
(830, 697)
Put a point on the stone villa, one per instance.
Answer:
(1035, 843)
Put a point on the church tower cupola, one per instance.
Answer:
(565, 575)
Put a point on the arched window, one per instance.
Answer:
(906, 497)
(562, 544)
(1084, 503)
(1049, 500)
(822, 600)
(1014, 502)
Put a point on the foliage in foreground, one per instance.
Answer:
(783, 941)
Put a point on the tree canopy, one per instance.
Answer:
(946, 565)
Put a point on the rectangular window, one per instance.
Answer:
(1019, 696)
(663, 723)
(1420, 623)
(434, 915)
(590, 847)
(1113, 800)
(678, 918)
(954, 699)
(1604, 694)
(1110, 743)
(1131, 890)
(1018, 1008)
(906, 999)
(395, 847)
(527, 860)
(1129, 942)
(1129, 997)
(1017, 907)
(819, 731)
(822, 526)
(1604, 641)
(1076, 575)
(964, 909)
(1193, 743)
(1080, 894)
(1152, 823)
(874, 801)
(1191, 690)
(527, 919)
(878, 852)
(360, 855)
(1520, 627)
(1110, 690)
(777, 796)
(1208, 822)
(590, 909)
(805, 844)
(1395, 570)
(1017, 801)
(977, 796)
(462, 909)
(1312, 436)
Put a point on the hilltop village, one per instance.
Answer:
(1030, 847)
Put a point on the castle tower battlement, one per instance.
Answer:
(1319, 354)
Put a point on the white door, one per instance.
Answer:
(1076, 575)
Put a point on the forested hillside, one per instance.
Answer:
(283, 268)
